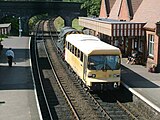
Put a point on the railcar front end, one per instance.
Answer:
(96, 63)
(103, 72)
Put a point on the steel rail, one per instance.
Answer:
(61, 87)
(94, 100)
(105, 113)
(39, 76)
(125, 109)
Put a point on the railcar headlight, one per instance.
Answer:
(115, 85)
(91, 75)
(116, 75)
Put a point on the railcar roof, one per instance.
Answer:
(89, 44)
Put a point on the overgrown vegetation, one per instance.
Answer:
(2, 36)
(59, 23)
(92, 6)
(14, 23)
(35, 19)
(75, 24)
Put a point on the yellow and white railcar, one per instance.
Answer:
(95, 62)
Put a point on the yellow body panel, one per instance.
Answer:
(103, 76)
(74, 62)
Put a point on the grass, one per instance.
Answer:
(59, 23)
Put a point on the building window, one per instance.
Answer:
(140, 45)
(151, 45)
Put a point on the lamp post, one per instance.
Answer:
(20, 28)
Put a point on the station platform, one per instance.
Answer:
(17, 93)
(143, 84)
(18, 99)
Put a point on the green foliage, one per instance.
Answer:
(14, 23)
(35, 19)
(72, 0)
(2, 36)
(59, 23)
(75, 24)
(92, 6)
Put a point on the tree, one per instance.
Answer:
(2, 36)
(92, 6)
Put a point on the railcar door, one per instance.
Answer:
(84, 67)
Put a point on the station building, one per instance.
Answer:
(5, 29)
(129, 25)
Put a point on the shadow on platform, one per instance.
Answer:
(135, 80)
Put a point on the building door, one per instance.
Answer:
(129, 46)
(134, 44)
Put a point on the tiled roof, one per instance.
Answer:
(106, 6)
(104, 10)
(135, 5)
(115, 10)
(112, 3)
(132, 5)
(149, 12)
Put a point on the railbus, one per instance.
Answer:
(95, 62)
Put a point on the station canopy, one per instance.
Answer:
(114, 28)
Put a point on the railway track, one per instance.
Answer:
(80, 104)
(52, 103)
(42, 63)
(112, 114)
(122, 98)
(74, 91)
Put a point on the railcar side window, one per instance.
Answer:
(78, 53)
(72, 49)
(81, 58)
(67, 45)
(75, 51)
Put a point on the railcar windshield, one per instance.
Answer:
(104, 62)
